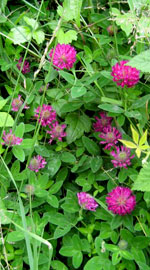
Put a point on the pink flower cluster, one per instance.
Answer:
(121, 201)
(111, 137)
(86, 201)
(26, 66)
(63, 56)
(17, 103)
(46, 115)
(37, 163)
(10, 139)
(125, 75)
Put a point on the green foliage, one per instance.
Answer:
(142, 182)
(141, 61)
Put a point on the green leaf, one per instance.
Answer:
(42, 151)
(19, 132)
(124, 20)
(68, 157)
(53, 166)
(140, 102)
(128, 144)
(57, 265)
(116, 222)
(67, 76)
(116, 258)
(18, 153)
(6, 120)
(96, 263)
(71, 107)
(143, 139)
(77, 259)
(126, 254)
(91, 146)
(67, 37)
(135, 135)
(96, 163)
(3, 102)
(142, 182)
(71, 204)
(111, 108)
(53, 201)
(3, 4)
(39, 36)
(141, 242)
(77, 124)
(76, 6)
(27, 143)
(15, 236)
(20, 34)
(33, 23)
(56, 187)
(78, 91)
(141, 61)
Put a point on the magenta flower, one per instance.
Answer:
(121, 201)
(86, 201)
(37, 163)
(125, 75)
(111, 135)
(26, 66)
(102, 122)
(46, 115)
(122, 157)
(57, 131)
(10, 139)
(63, 56)
(17, 103)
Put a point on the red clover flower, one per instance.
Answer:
(17, 103)
(121, 157)
(102, 122)
(57, 131)
(121, 201)
(46, 115)
(10, 139)
(26, 66)
(111, 135)
(125, 75)
(63, 56)
(86, 201)
(37, 163)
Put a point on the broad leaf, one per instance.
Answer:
(142, 182)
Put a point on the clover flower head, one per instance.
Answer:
(56, 131)
(125, 75)
(26, 66)
(122, 157)
(86, 201)
(10, 139)
(63, 56)
(111, 135)
(37, 163)
(17, 103)
(102, 122)
(121, 201)
(45, 114)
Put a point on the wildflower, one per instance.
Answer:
(111, 135)
(63, 56)
(125, 75)
(86, 201)
(26, 66)
(17, 103)
(123, 244)
(11, 139)
(102, 122)
(121, 157)
(37, 163)
(121, 201)
(57, 131)
(29, 189)
(46, 115)
(111, 29)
